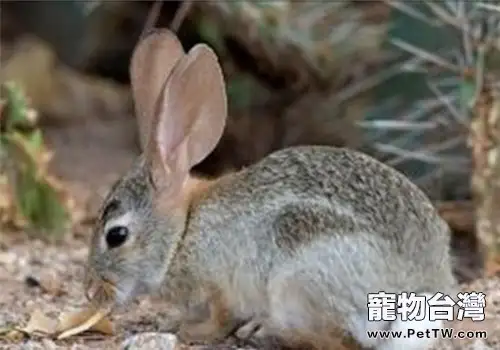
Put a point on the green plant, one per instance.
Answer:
(416, 104)
(443, 53)
(24, 161)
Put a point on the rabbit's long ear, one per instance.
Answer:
(192, 115)
(152, 62)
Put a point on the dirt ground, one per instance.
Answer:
(90, 159)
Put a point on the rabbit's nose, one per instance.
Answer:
(91, 288)
(91, 284)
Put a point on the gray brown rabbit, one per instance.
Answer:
(285, 250)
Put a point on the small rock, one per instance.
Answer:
(39, 345)
(49, 344)
(31, 282)
(7, 258)
(79, 254)
(49, 282)
(151, 340)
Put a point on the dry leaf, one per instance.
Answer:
(13, 336)
(68, 324)
(5, 330)
(39, 323)
(73, 323)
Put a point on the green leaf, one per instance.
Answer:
(16, 106)
(211, 33)
(39, 203)
(35, 140)
(35, 198)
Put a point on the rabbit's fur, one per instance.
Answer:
(292, 244)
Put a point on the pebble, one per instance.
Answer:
(167, 341)
(44, 344)
(7, 258)
(151, 340)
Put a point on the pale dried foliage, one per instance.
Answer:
(67, 325)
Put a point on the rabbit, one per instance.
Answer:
(285, 250)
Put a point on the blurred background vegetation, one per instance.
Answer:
(414, 84)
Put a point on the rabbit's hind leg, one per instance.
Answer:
(299, 316)
(320, 296)
(209, 319)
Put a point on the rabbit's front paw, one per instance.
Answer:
(248, 329)
(254, 333)
(261, 340)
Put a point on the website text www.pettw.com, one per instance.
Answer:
(446, 333)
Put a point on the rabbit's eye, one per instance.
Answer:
(116, 236)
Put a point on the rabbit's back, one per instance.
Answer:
(297, 197)
(364, 192)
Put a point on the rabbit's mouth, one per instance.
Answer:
(100, 291)
(105, 293)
